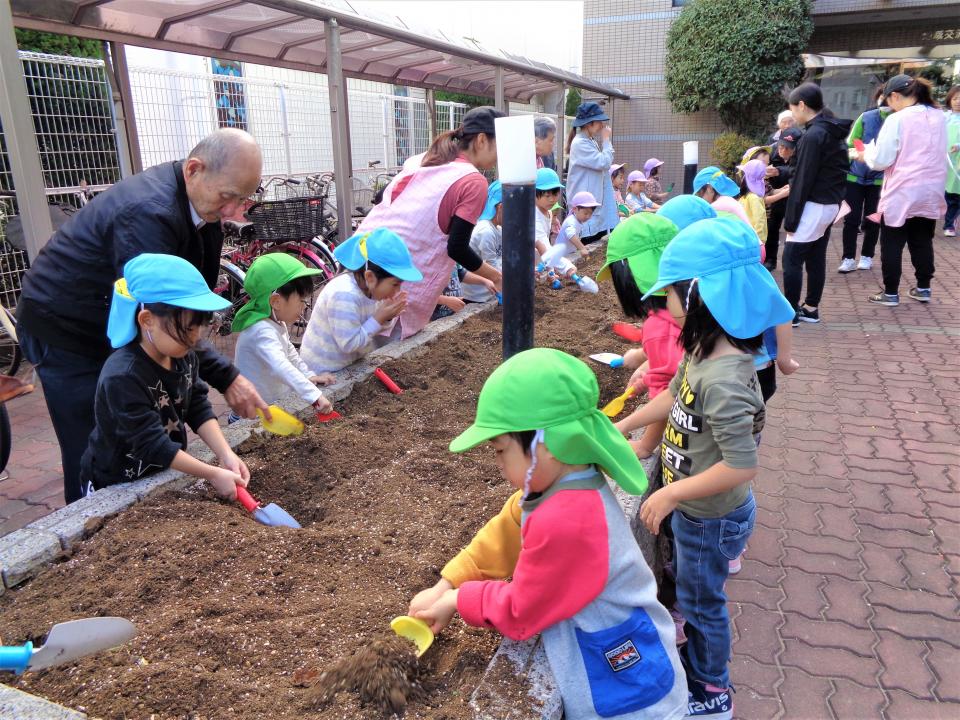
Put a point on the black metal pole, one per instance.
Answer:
(519, 257)
(689, 173)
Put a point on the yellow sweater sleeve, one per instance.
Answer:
(757, 212)
(493, 552)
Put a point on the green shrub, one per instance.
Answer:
(737, 57)
(728, 150)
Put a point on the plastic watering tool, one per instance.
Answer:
(272, 514)
(66, 642)
(387, 382)
(615, 406)
(414, 630)
(611, 359)
(628, 331)
(283, 423)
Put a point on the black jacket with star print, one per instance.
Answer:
(141, 409)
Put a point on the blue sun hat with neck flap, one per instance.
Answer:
(384, 248)
(723, 257)
(684, 210)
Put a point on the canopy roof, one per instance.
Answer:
(290, 33)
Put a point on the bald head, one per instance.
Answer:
(223, 148)
(221, 172)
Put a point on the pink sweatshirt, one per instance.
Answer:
(661, 343)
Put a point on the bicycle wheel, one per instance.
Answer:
(230, 287)
(315, 256)
(10, 356)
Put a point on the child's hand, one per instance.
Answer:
(633, 359)
(622, 428)
(424, 599)
(454, 303)
(489, 284)
(641, 449)
(439, 615)
(323, 379)
(656, 507)
(230, 461)
(787, 366)
(322, 405)
(225, 481)
(390, 308)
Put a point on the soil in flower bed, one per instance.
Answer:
(238, 620)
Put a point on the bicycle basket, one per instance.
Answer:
(293, 219)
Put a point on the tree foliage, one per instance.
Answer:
(44, 42)
(574, 98)
(471, 101)
(736, 57)
(728, 150)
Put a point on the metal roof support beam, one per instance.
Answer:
(560, 141)
(21, 140)
(340, 127)
(82, 8)
(128, 143)
(254, 29)
(195, 13)
(498, 99)
(432, 114)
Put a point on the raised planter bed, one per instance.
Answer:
(234, 617)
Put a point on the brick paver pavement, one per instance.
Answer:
(847, 604)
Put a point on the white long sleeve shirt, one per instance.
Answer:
(341, 328)
(267, 358)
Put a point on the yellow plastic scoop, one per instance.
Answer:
(615, 406)
(414, 630)
(283, 423)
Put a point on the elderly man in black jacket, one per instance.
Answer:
(174, 208)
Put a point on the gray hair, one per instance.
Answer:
(221, 147)
(543, 126)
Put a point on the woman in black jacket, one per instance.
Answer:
(816, 189)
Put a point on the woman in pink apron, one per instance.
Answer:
(434, 206)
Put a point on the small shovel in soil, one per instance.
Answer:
(282, 422)
(611, 359)
(615, 406)
(388, 382)
(414, 630)
(272, 514)
(66, 642)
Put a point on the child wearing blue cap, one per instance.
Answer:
(487, 241)
(149, 389)
(548, 189)
(356, 306)
(723, 299)
(711, 182)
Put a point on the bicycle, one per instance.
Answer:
(293, 226)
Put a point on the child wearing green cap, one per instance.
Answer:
(278, 286)
(633, 258)
(357, 306)
(578, 578)
(149, 389)
(723, 299)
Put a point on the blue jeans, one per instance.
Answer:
(703, 549)
(69, 387)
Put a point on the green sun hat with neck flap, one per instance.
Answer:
(267, 273)
(639, 240)
(549, 390)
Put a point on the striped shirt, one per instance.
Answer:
(341, 328)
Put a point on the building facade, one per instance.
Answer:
(624, 45)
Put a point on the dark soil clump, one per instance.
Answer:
(238, 620)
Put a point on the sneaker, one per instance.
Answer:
(709, 701)
(950, 233)
(796, 320)
(735, 566)
(884, 299)
(920, 295)
(770, 265)
(678, 622)
(865, 263)
(809, 316)
(847, 265)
